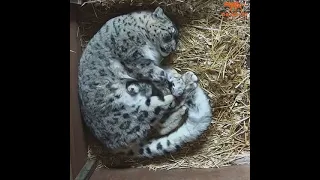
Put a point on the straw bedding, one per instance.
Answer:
(216, 49)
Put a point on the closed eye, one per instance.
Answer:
(167, 38)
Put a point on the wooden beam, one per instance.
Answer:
(78, 145)
(240, 172)
(76, 2)
(87, 170)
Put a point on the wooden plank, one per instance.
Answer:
(78, 145)
(241, 172)
(76, 2)
(71, 177)
(87, 170)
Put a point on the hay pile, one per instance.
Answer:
(216, 50)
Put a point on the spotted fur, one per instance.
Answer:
(122, 88)
(175, 132)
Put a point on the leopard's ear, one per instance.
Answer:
(158, 13)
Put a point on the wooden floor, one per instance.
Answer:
(241, 172)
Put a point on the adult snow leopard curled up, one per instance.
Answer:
(130, 48)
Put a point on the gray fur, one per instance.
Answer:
(122, 89)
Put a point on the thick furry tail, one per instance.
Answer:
(199, 118)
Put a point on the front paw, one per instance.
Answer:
(158, 75)
(178, 86)
(191, 81)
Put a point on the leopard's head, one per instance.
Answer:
(163, 32)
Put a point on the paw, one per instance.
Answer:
(158, 75)
(177, 82)
(172, 122)
(133, 89)
(182, 110)
(178, 86)
(191, 81)
(170, 101)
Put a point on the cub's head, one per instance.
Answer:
(163, 32)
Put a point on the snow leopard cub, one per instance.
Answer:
(129, 48)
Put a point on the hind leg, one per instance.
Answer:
(138, 116)
(170, 123)
(173, 121)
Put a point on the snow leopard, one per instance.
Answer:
(124, 91)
